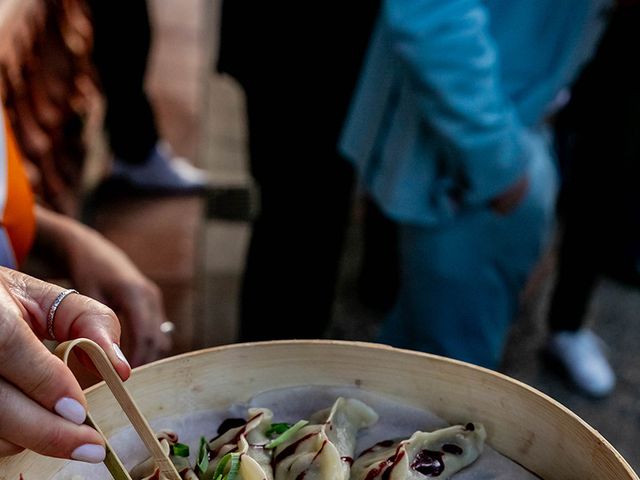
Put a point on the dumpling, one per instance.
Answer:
(147, 469)
(437, 454)
(246, 443)
(324, 449)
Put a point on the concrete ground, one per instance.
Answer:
(197, 252)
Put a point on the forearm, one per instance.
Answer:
(101, 270)
(63, 241)
(55, 235)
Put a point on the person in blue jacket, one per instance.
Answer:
(446, 130)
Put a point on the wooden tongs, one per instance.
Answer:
(103, 365)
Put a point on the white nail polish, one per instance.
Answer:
(120, 355)
(71, 409)
(89, 453)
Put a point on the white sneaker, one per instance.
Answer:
(162, 171)
(581, 353)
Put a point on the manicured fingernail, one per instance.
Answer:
(71, 409)
(120, 355)
(89, 452)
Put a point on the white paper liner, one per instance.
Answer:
(290, 405)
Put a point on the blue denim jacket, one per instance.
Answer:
(452, 94)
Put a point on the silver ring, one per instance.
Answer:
(52, 311)
(167, 327)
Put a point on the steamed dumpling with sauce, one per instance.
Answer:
(324, 449)
(147, 469)
(437, 454)
(248, 442)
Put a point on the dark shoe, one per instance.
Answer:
(162, 171)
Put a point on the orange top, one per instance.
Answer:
(17, 217)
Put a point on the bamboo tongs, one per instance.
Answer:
(112, 461)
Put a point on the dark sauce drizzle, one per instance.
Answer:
(386, 466)
(428, 463)
(228, 424)
(378, 446)
(452, 449)
(348, 460)
(290, 449)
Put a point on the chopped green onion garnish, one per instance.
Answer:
(277, 428)
(202, 461)
(286, 435)
(219, 472)
(180, 450)
(234, 468)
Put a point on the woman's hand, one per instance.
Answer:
(100, 270)
(508, 200)
(42, 407)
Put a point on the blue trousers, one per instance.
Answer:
(460, 282)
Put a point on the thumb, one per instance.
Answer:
(43, 406)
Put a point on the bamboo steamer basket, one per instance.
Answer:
(522, 423)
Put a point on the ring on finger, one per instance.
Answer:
(51, 316)
(167, 327)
